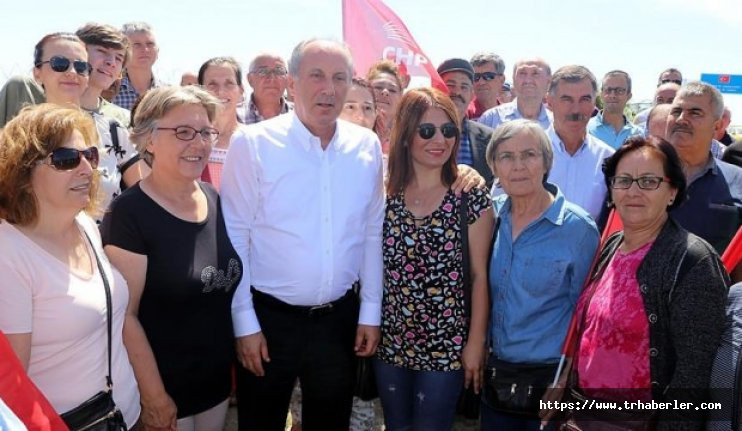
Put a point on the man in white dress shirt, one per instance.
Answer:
(578, 156)
(303, 203)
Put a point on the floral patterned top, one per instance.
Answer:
(423, 323)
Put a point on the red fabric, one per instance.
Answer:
(22, 396)
(733, 254)
(374, 32)
(614, 347)
(614, 224)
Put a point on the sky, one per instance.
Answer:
(642, 37)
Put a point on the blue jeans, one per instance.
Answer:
(418, 400)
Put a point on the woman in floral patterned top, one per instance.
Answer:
(428, 349)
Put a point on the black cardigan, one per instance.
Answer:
(684, 288)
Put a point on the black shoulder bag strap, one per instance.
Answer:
(464, 229)
(109, 306)
(465, 260)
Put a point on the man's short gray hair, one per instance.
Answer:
(136, 27)
(698, 88)
(262, 55)
(482, 58)
(298, 54)
(510, 129)
(572, 74)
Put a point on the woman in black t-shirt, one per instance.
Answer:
(167, 236)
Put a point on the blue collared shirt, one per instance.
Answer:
(493, 117)
(464, 157)
(535, 281)
(606, 133)
(713, 204)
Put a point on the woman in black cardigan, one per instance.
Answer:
(651, 318)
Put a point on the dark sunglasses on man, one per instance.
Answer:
(60, 64)
(66, 159)
(675, 81)
(487, 76)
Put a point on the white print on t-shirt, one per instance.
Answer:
(215, 278)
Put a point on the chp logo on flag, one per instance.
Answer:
(724, 79)
(373, 32)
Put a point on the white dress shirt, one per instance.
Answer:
(579, 175)
(305, 221)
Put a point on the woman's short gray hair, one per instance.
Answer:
(508, 130)
(157, 102)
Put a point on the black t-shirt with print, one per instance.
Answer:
(192, 272)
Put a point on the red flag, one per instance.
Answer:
(733, 254)
(614, 224)
(22, 396)
(374, 33)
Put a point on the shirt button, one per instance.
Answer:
(653, 352)
(652, 318)
(655, 383)
(643, 288)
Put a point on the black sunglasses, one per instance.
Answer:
(66, 159)
(676, 81)
(487, 76)
(59, 63)
(427, 130)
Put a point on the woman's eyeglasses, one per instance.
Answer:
(188, 133)
(427, 130)
(61, 64)
(66, 159)
(623, 182)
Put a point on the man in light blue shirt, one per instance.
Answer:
(611, 125)
(578, 156)
(531, 79)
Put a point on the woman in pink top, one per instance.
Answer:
(652, 317)
(52, 294)
(222, 77)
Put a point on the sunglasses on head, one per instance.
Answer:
(65, 159)
(427, 130)
(487, 76)
(60, 64)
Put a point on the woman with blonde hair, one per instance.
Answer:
(167, 236)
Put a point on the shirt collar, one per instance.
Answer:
(602, 123)
(542, 113)
(709, 167)
(126, 83)
(253, 107)
(307, 140)
(554, 213)
(558, 145)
